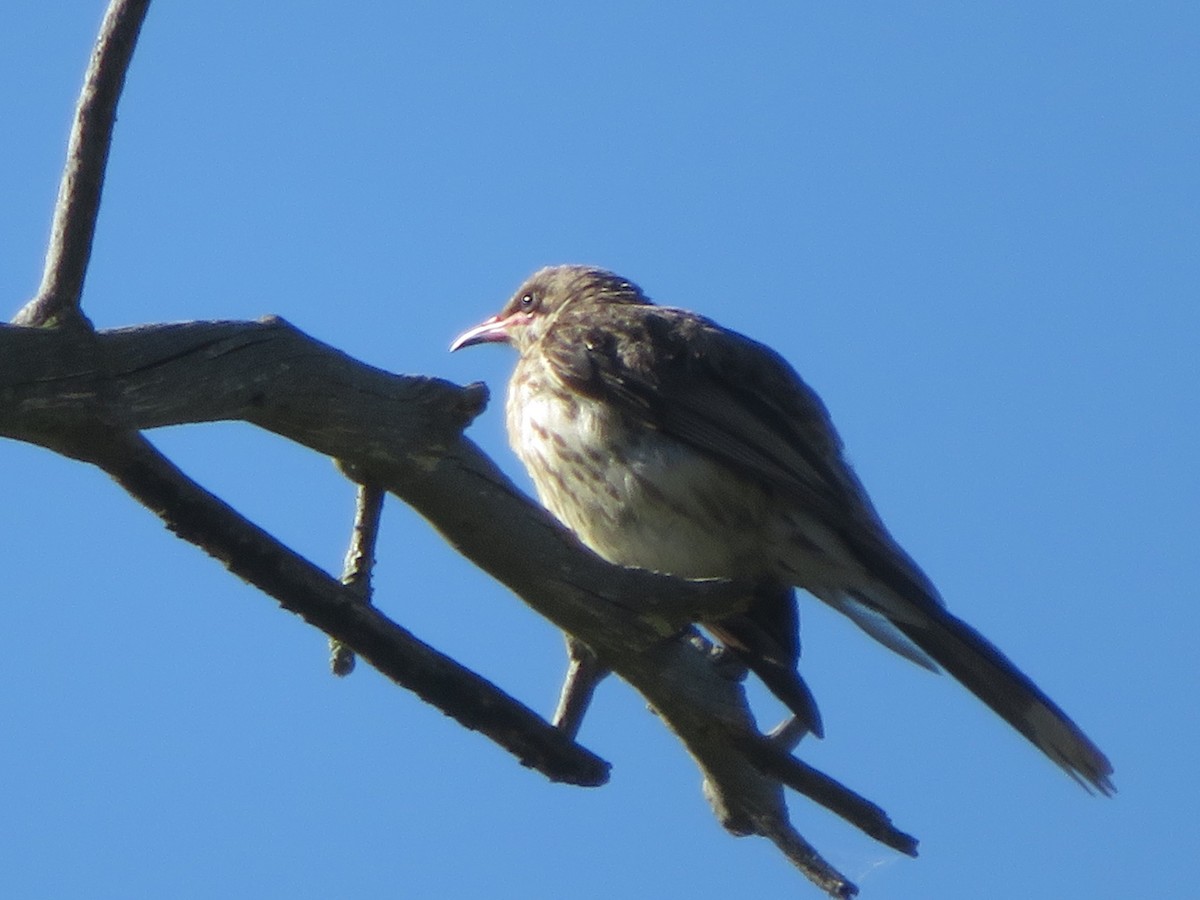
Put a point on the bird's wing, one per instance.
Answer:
(736, 400)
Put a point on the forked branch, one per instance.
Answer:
(89, 396)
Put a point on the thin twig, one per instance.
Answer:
(359, 565)
(773, 760)
(804, 857)
(58, 299)
(584, 673)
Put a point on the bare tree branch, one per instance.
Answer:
(89, 396)
(70, 249)
(405, 432)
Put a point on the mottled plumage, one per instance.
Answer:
(669, 443)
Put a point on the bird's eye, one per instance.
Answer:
(528, 302)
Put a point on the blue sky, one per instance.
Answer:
(972, 227)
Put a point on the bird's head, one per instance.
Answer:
(543, 298)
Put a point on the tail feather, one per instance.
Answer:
(791, 689)
(904, 606)
(767, 639)
(875, 623)
(991, 676)
(781, 679)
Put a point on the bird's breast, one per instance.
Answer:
(635, 496)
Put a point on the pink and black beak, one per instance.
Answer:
(489, 331)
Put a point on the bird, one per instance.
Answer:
(667, 442)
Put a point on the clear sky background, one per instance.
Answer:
(972, 227)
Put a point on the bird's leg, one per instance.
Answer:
(584, 672)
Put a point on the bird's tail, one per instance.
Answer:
(991, 676)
